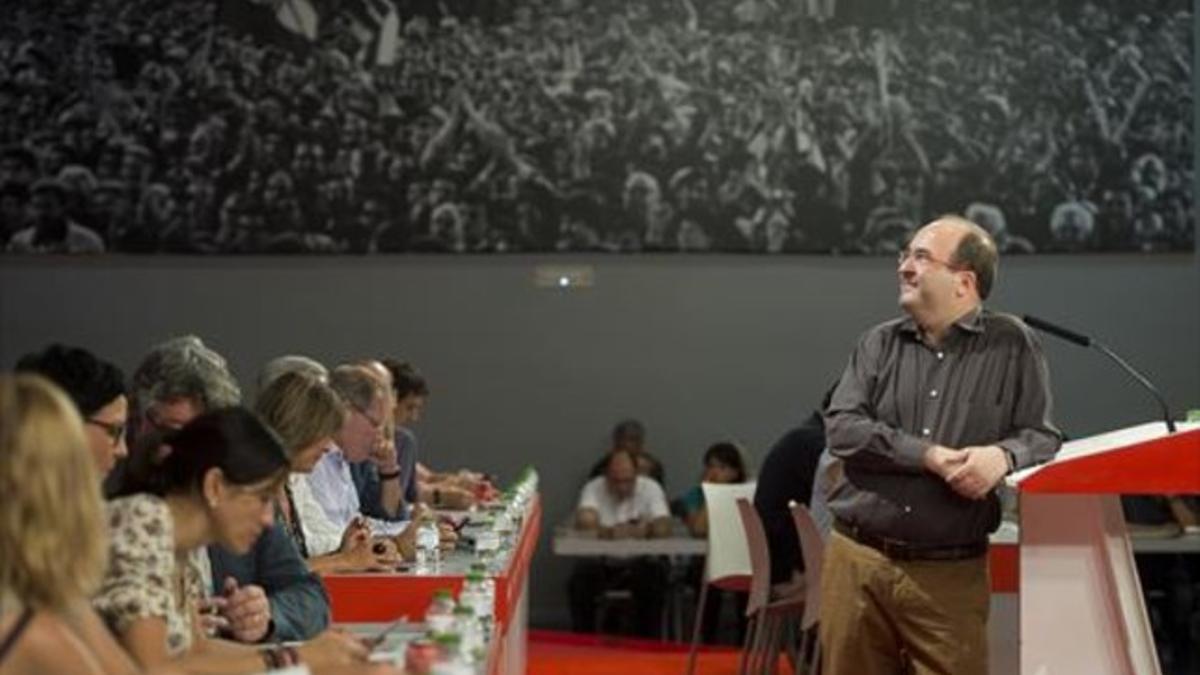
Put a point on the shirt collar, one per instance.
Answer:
(972, 322)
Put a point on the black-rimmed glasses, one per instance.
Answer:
(114, 430)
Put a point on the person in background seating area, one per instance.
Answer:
(630, 435)
(621, 504)
(724, 463)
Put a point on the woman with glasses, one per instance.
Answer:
(97, 388)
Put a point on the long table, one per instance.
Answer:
(378, 598)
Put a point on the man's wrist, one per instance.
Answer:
(385, 474)
(1010, 459)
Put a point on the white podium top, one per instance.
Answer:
(1102, 443)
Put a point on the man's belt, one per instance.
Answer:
(902, 550)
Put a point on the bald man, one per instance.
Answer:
(932, 411)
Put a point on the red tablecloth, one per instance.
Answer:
(378, 598)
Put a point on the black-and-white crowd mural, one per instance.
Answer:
(464, 126)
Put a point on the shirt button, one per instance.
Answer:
(925, 432)
(933, 393)
(908, 509)
(941, 355)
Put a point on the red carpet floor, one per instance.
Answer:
(555, 653)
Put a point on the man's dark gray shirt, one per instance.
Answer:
(986, 384)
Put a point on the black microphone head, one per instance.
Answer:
(1058, 331)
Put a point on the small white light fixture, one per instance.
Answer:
(564, 277)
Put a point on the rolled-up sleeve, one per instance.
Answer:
(853, 431)
(299, 605)
(1033, 438)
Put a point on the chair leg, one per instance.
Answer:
(747, 645)
(794, 641)
(762, 637)
(782, 641)
(815, 664)
(800, 656)
(771, 648)
(691, 662)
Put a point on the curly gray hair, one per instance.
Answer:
(184, 367)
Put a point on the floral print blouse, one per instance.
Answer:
(145, 577)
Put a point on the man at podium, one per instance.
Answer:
(931, 412)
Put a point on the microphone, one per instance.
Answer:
(1085, 341)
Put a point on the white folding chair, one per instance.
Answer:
(727, 565)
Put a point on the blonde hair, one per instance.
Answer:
(53, 533)
(301, 409)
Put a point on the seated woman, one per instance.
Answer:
(213, 481)
(97, 388)
(306, 412)
(53, 542)
(723, 463)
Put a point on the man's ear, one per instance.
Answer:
(969, 283)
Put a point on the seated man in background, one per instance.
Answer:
(630, 435)
(621, 505)
(97, 388)
(276, 597)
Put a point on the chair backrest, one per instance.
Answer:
(812, 548)
(760, 557)
(728, 562)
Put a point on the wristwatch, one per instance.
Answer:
(1012, 461)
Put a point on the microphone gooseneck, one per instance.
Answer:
(1085, 341)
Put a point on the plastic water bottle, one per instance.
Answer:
(452, 661)
(488, 583)
(476, 596)
(487, 589)
(466, 624)
(440, 614)
(487, 541)
(428, 540)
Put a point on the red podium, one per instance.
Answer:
(1081, 608)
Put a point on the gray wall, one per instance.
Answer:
(700, 348)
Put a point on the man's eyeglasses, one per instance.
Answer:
(161, 426)
(114, 430)
(923, 257)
